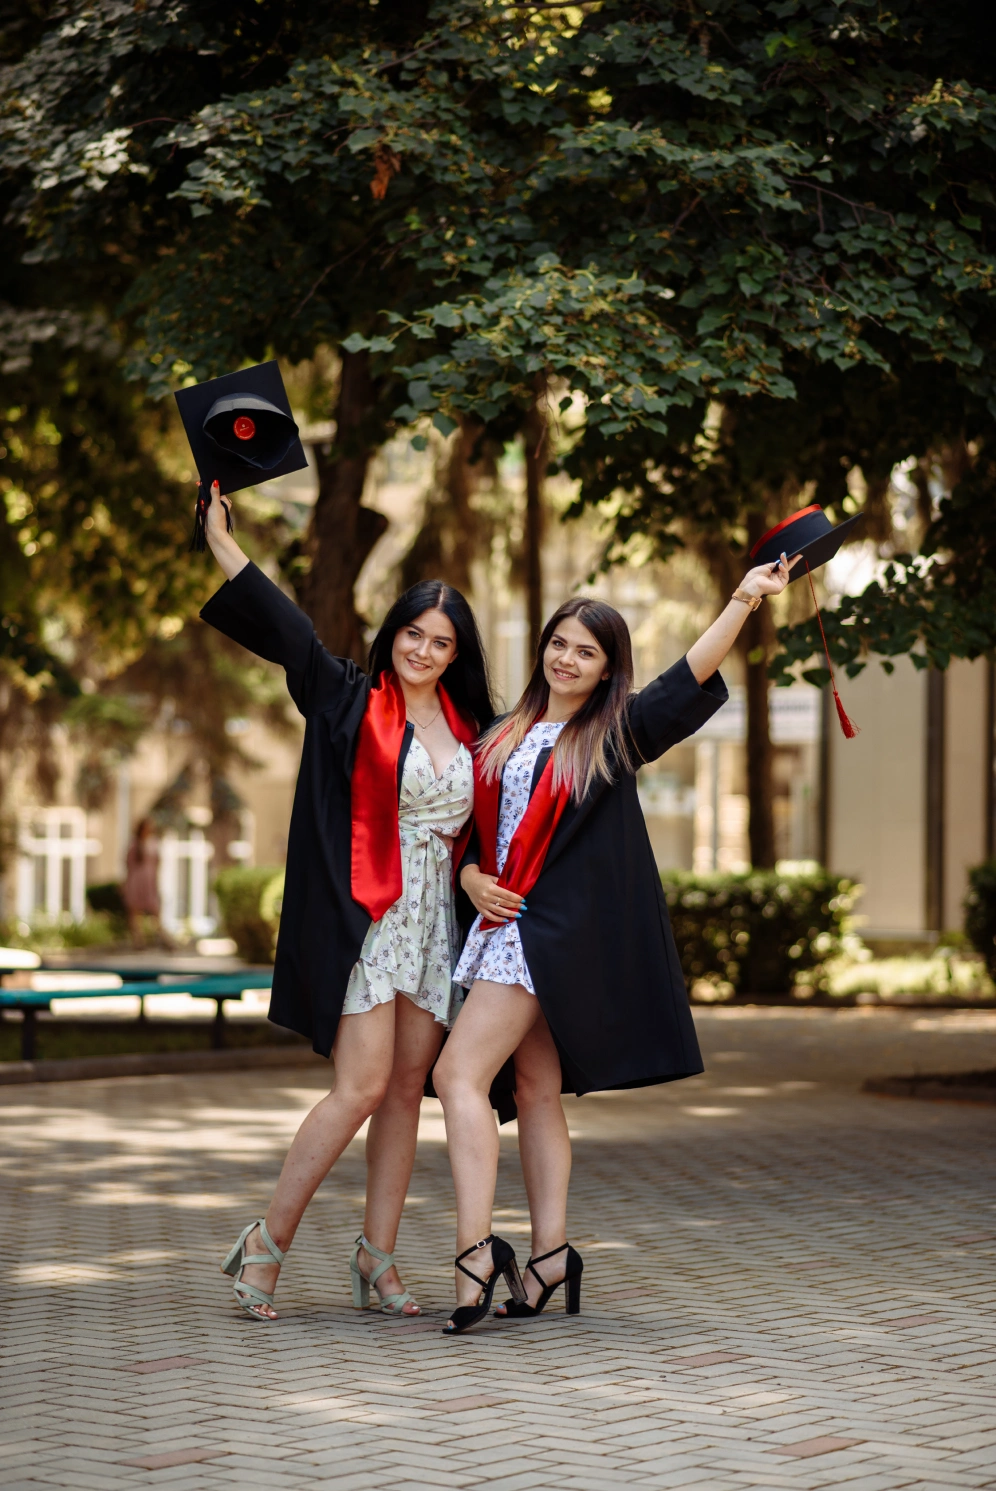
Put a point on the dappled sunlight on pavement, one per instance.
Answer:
(788, 1284)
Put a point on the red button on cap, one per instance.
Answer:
(245, 428)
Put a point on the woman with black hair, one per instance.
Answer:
(383, 804)
(571, 965)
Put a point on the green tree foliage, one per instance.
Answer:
(658, 207)
(94, 578)
(932, 606)
(95, 188)
(93, 529)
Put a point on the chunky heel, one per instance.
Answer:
(517, 1308)
(390, 1304)
(512, 1277)
(361, 1287)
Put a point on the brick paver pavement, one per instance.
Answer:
(788, 1285)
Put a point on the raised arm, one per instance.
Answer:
(705, 655)
(254, 612)
(680, 701)
(222, 543)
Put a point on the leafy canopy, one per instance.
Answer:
(657, 206)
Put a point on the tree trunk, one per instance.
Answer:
(460, 484)
(342, 533)
(756, 642)
(536, 436)
(450, 537)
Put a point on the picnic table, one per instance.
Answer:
(141, 978)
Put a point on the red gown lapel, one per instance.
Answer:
(531, 840)
(375, 858)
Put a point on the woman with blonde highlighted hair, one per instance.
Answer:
(571, 964)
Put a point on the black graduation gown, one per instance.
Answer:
(596, 934)
(321, 927)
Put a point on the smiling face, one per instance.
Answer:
(424, 649)
(574, 664)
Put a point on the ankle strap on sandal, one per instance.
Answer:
(385, 1260)
(552, 1253)
(542, 1259)
(476, 1247)
(276, 1255)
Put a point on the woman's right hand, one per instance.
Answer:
(220, 541)
(214, 522)
(495, 902)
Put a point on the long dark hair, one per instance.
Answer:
(466, 680)
(594, 743)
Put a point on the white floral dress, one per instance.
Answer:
(412, 948)
(498, 955)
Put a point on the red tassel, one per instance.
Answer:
(848, 726)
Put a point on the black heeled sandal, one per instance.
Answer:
(503, 1261)
(516, 1309)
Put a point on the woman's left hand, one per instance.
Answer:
(705, 655)
(769, 579)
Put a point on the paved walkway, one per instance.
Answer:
(788, 1285)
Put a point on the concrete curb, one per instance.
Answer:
(932, 1089)
(159, 1064)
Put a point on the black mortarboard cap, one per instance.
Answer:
(808, 532)
(241, 432)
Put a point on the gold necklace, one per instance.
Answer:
(435, 717)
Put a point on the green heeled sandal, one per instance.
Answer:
(247, 1295)
(391, 1304)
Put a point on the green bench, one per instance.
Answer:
(216, 986)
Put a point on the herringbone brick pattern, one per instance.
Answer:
(788, 1285)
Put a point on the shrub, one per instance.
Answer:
(249, 900)
(755, 933)
(980, 912)
(107, 897)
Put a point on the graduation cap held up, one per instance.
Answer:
(810, 534)
(241, 431)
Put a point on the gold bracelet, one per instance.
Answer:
(750, 601)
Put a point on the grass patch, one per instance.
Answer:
(942, 977)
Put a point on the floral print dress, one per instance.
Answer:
(498, 955)
(411, 950)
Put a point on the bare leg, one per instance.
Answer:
(392, 1137)
(363, 1053)
(492, 1023)
(544, 1151)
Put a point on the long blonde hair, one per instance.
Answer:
(594, 743)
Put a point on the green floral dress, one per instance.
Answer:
(413, 948)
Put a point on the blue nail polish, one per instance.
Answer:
(518, 916)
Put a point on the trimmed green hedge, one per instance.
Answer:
(249, 901)
(980, 913)
(755, 933)
(107, 897)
